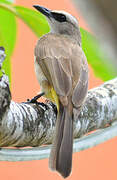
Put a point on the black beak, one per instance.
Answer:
(43, 10)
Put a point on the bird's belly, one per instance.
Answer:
(44, 84)
(39, 73)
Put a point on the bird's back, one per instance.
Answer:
(61, 48)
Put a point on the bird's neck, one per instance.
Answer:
(74, 35)
(77, 37)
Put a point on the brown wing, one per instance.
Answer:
(54, 58)
(81, 88)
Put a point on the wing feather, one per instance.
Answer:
(61, 61)
(55, 63)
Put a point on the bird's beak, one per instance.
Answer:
(43, 10)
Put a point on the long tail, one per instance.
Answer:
(61, 153)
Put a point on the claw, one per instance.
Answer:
(34, 99)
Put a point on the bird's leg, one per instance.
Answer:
(35, 98)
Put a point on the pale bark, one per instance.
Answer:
(26, 124)
(32, 124)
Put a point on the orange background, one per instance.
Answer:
(95, 163)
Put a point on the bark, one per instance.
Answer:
(32, 124)
(27, 124)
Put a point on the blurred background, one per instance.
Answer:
(101, 16)
(95, 163)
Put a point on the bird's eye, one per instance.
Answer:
(59, 17)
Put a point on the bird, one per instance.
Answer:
(62, 72)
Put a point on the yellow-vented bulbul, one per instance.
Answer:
(62, 71)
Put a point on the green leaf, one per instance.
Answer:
(7, 35)
(11, 1)
(97, 58)
(35, 20)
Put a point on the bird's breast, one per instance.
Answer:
(39, 73)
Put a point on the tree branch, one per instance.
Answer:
(28, 124)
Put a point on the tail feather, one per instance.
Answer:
(57, 139)
(61, 153)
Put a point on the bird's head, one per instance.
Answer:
(61, 22)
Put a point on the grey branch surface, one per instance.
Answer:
(28, 124)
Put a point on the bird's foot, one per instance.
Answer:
(35, 98)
